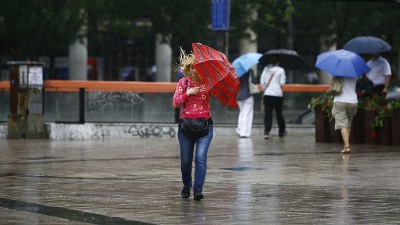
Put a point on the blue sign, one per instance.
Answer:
(220, 10)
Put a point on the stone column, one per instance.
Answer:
(78, 54)
(163, 58)
(249, 43)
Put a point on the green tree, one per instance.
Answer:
(185, 21)
(327, 23)
(179, 22)
(30, 29)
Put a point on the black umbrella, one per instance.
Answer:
(288, 59)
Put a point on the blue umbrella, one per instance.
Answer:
(243, 63)
(367, 45)
(342, 63)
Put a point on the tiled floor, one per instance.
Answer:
(290, 180)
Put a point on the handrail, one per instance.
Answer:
(144, 87)
(305, 87)
(5, 85)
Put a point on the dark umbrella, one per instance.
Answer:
(342, 63)
(217, 72)
(367, 45)
(288, 59)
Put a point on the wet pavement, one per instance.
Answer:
(290, 180)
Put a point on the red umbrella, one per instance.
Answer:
(217, 72)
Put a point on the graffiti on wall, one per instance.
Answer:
(101, 131)
(108, 101)
(151, 130)
(3, 131)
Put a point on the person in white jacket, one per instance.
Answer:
(272, 79)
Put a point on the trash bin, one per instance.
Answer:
(26, 118)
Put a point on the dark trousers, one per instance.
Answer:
(271, 102)
(378, 89)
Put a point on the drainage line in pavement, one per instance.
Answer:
(69, 214)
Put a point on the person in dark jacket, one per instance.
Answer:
(245, 101)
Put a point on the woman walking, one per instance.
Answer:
(344, 109)
(194, 99)
(272, 79)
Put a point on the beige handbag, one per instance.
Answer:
(253, 88)
(336, 87)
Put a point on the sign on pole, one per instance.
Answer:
(220, 10)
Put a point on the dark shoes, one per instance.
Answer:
(266, 135)
(185, 192)
(283, 134)
(198, 196)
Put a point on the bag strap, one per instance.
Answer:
(186, 84)
(269, 81)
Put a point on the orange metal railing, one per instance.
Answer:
(143, 87)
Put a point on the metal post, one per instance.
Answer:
(222, 42)
(81, 105)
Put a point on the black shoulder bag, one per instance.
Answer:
(364, 86)
(194, 127)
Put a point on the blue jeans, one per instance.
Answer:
(186, 150)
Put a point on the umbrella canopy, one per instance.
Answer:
(243, 63)
(342, 63)
(367, 45)
(288, 59)
(216, 71)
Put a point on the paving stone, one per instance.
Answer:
(290, 180)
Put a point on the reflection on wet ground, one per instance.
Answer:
(290, 180)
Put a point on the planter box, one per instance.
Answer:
(357, 133)
(361, 130)
(395, 128)
(322, 127)
(383, 135)
(385, 132)
(369, 117)
(336, 136)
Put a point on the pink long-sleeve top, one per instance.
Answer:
(192, 106)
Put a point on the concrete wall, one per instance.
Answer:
(93, 131)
